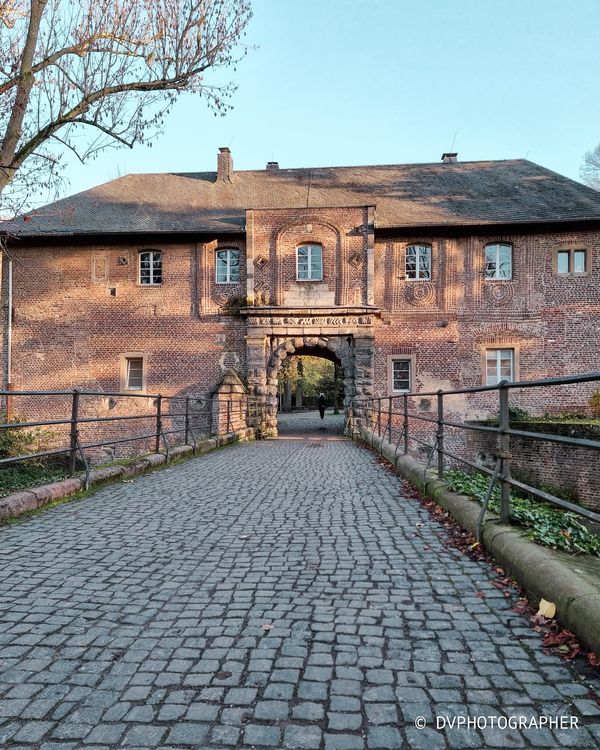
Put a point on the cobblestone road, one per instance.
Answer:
(281, 594)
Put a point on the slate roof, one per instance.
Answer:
(405, 196)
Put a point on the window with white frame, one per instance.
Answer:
(499, 365)
(151, 267)
(228, 266)
(134, 373)
(498, 261)
(417, 262)
(309, 263)
(401, 374)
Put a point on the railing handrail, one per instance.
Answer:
(73, 445)
(504, 431)
(122, 394)
(588, 377)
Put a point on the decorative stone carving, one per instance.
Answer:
(229, 361)
(342, 320)
(261, 297)
(356, 260)
(221, 299)
(260, 261)
(420, 293)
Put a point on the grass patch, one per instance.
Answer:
(16, 478)
(545, 524)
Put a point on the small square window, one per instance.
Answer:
(571, 262)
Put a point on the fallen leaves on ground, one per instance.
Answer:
(223, 675)
(555, 640)
(547, 609)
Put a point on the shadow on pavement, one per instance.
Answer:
(308, 425)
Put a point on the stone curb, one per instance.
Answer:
(542, 572)
(18, 503)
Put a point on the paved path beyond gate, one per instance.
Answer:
(276, 594)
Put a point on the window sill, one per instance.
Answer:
(583, 275)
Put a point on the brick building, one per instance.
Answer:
(419, 276)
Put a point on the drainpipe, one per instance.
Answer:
(8, 369)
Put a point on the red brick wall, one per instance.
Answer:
(70, 332)
(573, 470)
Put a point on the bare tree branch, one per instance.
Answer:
(590, 169)
(107, 67)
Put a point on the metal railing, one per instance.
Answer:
(181, 419)
(379, 416)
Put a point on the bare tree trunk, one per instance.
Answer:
(336, 388)
(300, 384)
(23, 90)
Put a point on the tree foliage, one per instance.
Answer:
(318, 377)
(82, 75)
(590, 169)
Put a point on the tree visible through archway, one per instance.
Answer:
(302, 378)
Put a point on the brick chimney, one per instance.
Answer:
(224, 165)
(272, 166)
(450, 157)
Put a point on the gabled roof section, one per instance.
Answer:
(405, 196)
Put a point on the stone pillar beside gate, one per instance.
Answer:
(229, 405)
(364, 350)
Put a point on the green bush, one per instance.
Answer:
(516, 414)
(17, 441)
(545, 524)
(20, 441)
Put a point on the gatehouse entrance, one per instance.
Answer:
(305, 382)
(276, 335)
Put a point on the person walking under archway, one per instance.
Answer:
(322, 405)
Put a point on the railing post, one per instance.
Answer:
(74, 432)
(504, 452)
(379, 417)
(405, 423)
(158, 423)
(187, 421)
(440, 432)
(389, 419)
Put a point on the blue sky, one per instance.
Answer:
(338, 82)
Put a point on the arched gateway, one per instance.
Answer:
(275, 334)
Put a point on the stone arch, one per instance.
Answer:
(341, 347)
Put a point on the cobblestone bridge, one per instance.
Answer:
(280, 594)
